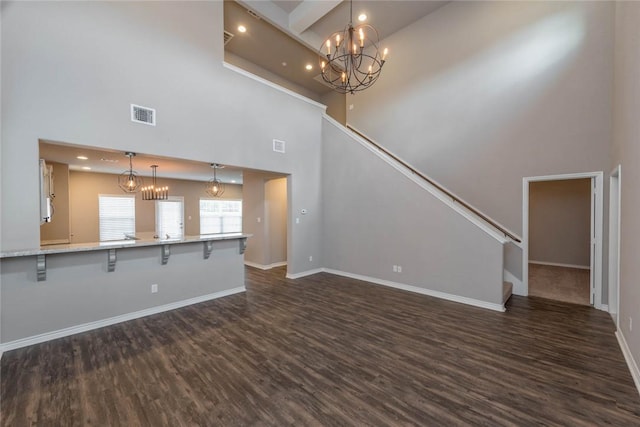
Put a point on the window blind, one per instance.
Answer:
(117, 216)
(220, 216)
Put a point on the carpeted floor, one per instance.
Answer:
(559, 283)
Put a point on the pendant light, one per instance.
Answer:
(352, 59)
(153, 192)
(129, 181)
(215, 187)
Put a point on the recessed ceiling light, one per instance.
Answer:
(82, 158)
(309, 67)
(362, 17)
(242, 28)
(284, 64)
(87, 168)
(233, 181)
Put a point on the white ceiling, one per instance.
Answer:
(287, 5)
(387, 17)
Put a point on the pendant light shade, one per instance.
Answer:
(215, 187)
(129, 181)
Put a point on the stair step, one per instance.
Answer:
(507, 289)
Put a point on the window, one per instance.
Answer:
(220, 216)
(117, 216)
(170, 218)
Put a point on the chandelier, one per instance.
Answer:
(129, 180)
(214, 186)
(353, 60)
(153, 192)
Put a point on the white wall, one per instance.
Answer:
(71, 69)
(626, 152)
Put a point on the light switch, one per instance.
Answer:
(297, 220)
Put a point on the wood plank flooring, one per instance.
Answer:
(326, 350)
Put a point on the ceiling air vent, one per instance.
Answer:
(227, 37)
(143, 115)
(278, 146)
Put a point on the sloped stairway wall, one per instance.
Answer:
(376, 216)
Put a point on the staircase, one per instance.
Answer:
(472, 214)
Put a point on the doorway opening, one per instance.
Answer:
(562, 237)
(265, 212)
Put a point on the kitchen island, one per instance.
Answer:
(63, 289)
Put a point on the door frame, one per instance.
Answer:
(615, 181)
(596, 228)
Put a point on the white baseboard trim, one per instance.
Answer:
(48, 336)
(633, 367)
(265, 267)
(305, 273)
(604, 307)
(518, 287)
(416, 289)
(557, 264)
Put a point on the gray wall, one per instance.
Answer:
(78, 290)
(559, 222)
(478, 95)
(69, 72)
(374, 218)
(626, 152)
(165, 55)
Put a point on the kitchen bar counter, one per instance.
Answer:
(112, 247)
(121, 244)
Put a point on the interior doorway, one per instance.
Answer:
(614, 243)
(562, 237)
(265, 212)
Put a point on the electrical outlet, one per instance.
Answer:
(310, 258)
(259, 219)
(399, 269)
(630, 324)
(395, 268)
(154, 288)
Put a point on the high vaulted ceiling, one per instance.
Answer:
(306, 24)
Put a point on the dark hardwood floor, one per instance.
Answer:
(326, 350)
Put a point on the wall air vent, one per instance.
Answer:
(227, 37)
(253, 14)
(278, 146)
(143, 115)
